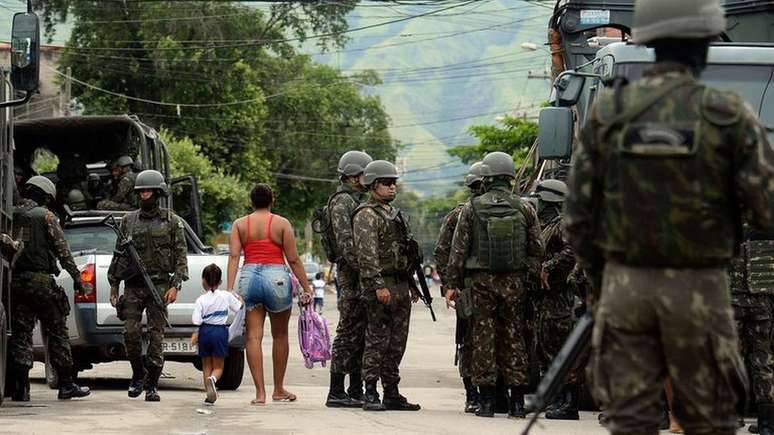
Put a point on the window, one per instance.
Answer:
(99, 237)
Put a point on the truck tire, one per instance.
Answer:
(233, 369)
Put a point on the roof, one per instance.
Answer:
(97, 138)
(720, 53)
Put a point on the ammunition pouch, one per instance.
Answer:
(125, 268)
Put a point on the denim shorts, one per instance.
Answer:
(266, 285)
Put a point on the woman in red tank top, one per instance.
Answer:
(269, 249)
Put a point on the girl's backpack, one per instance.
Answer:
(313, 337)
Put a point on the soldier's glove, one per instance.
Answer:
(79, 287)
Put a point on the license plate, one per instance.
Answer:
(177, 345)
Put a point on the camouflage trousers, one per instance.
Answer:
(498, 326)
(553, 324)
(654, 323)
(347, 350)
(754, 315)
(35, 296)
(386, 334)
(137, 300)
(465, 348)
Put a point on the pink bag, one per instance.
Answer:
(313, 337)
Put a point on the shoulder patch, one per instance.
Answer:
(722, 108)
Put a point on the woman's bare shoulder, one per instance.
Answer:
(282, 221)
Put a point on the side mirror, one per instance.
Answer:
(567, 89)
(555, 133)
(25, 51)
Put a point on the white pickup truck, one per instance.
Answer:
(96, 334)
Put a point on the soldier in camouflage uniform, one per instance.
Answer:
(122, 197)
(554, 302)
(754, 313)
(381, 244)
(497, 244)
(464, 332)
(35, 294)
(347, 351)
(160, 240)
(654, 204)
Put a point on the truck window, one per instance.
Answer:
(98, 237)
(750, 81)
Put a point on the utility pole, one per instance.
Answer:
(68, 86)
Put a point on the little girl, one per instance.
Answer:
(211, 313)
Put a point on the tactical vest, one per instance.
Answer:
(393, 258)
(30, 226)
(499, 242)
(668, 200)
(155, 241)
(321, 224)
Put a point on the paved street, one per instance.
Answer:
(428, 377)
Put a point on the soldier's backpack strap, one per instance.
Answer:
(642, 105)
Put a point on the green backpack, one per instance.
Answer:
(321, 224)
(500, 233)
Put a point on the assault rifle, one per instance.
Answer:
(565, 361)
(136, 266)
(414, 255)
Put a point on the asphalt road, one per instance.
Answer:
(428, 377)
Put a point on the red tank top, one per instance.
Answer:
(263, 251)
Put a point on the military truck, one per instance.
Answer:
(23, 77)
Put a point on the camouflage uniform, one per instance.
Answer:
(35, 294)
(381, 255)
(662, 216)
(498, 300)
(754, 313)
(554, 307)
(441, 253)
(350, 332)
(160, 241)
(123, 196)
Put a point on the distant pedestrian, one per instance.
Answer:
(211, 313)
(269, 247)
(319, 292)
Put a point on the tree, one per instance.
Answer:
(515, 137)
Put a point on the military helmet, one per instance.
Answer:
(498, 163)
(76, 199)
(474, 174)
(684, 19)
(379, 169)
(150, 179)
(551, 191)
(353, 163)
(42, 183)
(122, 161)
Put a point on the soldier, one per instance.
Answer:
(751, 297)
(35, 294)
(497, 244)
(160, 241)
(654, 210)
(76, 200)
(381, 243)
(464, 331)
(347, 352)
(122, 196)
(555, 301)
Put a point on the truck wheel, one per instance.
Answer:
(233, 369)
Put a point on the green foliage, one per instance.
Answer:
(224, 197)
(44, 161)
(514, 137)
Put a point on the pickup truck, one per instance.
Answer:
(96, 334)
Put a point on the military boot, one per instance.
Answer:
(765, 420)
(393, 401)
(516, 402)
(152, 384)
(471, 395)
(355, 390)
(138, 377)
(67, 388)
(486, 400)
(568, 409)
(337, 398)
(21, 384)
(372, 401)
